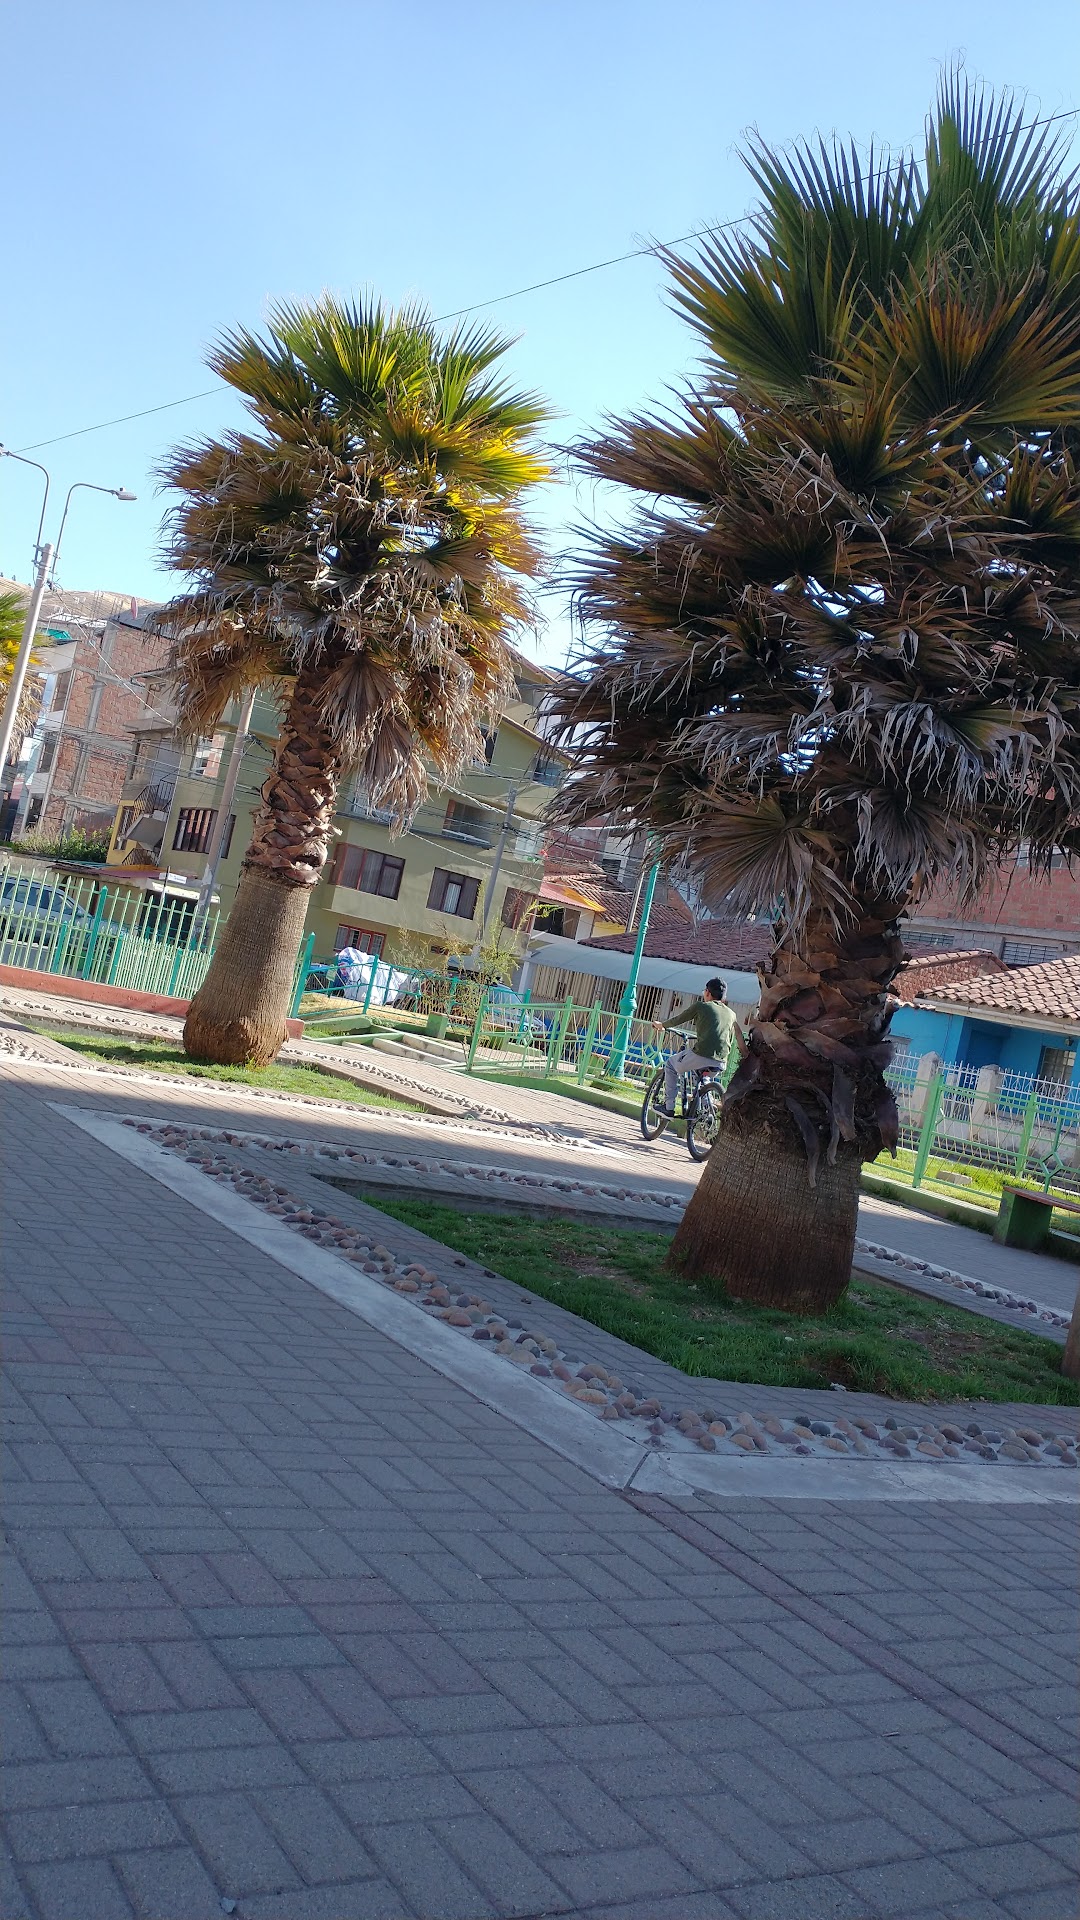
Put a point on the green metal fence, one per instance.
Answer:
(976, 1128)
(88, 927)
(557, 1039)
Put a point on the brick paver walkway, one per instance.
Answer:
(663, 1163)
(296, 1624)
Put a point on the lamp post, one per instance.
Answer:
(45, 558)
(629, 995)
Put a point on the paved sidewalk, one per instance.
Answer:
(665, 1162)
(294, 1623)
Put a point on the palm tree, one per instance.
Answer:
(839, 652)
(362, 549)
(12, 620)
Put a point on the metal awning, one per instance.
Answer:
(604, 963)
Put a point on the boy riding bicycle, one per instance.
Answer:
(714, 1025)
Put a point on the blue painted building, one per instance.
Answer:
(1025, 1020)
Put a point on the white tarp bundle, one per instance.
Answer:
(354, 973)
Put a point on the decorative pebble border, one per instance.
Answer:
(594, 1387)
(30, 1047)
(105, 1019)
(1000, 1296)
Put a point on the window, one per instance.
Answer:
(548, 769)
(471, 823)
(367, 871)
(48, 753)
(194, 829)
(517, 907)
(62, 690)
(1027, 953)
(362, 938)
(206, 758)
(1056, 1065)
(453, 893)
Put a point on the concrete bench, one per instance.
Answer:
(1024, 1217)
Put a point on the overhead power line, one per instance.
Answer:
(497, 299)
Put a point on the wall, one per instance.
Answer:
(94, 727)
(1023, 917)
(977, 1043)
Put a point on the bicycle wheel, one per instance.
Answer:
(703, 1124)
(653, 1121)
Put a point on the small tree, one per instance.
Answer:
(362, 549)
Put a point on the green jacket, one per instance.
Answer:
(714, 1024)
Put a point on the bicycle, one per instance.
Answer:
(697, 1102)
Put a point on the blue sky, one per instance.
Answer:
(181, 167)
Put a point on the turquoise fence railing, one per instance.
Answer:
(95, 927)
(559, 1040)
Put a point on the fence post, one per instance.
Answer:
(590, 1037)
(524, 1027)
(95, 929)
(558, 1037)
(301, 978)
(929, 1128)
(1031, 1114)
(478, 1023)
(182, 950)
(370, 988)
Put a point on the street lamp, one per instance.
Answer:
(627, 1004)
(45, 558)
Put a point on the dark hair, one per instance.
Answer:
(717, 989)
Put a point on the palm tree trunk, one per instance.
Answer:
(773, 1219)
(238, 1015)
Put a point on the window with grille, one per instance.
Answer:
(453, 893)
(367, 871)
(517, 907)
(363, 939)
(194, 830)
(1028, 953)
(1056, 1065)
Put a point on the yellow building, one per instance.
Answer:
(466, 872)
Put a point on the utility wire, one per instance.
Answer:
(516, 293)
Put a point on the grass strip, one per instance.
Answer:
(877, 1339)
(159, 1056)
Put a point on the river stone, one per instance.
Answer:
(743, 1440)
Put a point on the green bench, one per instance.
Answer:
(1024, 1217)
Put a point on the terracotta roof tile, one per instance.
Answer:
(1050, 991)
(738, 944)
(926, 973)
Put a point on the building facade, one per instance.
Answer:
(467, 871)
(1024, 918)
(94, 694)
(1020, 1020)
